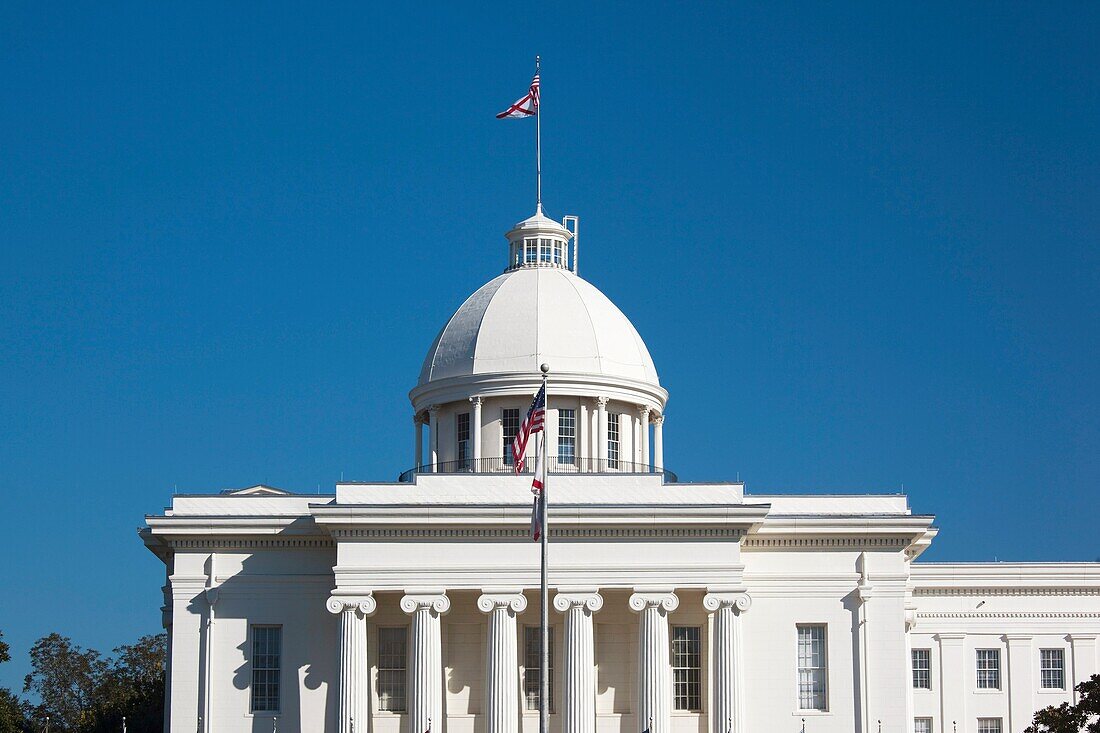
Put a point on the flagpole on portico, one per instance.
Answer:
(544, 667)
(538, 147)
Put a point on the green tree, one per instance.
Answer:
(65, 679)
(1084, 717)
(132, 686)
(13, 717)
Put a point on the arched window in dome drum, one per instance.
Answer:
(613, 439)
(567, 437)
(462, 435)
(509, 423)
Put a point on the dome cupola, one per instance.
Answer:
(483, 367)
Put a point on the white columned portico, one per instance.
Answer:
(654, 673)
(727, 661)
(475, 430)
(502, 659)
(601, 437)
(433, 439)
(580, 659)
(354, 683)
(643, 422)
(659, 441)
(425, 689)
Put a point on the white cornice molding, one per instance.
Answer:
(512, 384)
(480, 534)
(1031, 590)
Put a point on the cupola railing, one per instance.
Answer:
(503, 465)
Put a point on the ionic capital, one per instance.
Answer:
(665, 601)
(435, 602)
(365, 605)
(489, 601)
(658, 419)
(602, 401)
(739, 600)
(433, 409)
(476, 400)
(589, 600)
(643, 411)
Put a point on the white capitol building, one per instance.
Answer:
(399, 607)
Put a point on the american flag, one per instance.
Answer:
(532, 424)
(527, 106)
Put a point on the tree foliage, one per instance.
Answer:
(13, 714)
(82, 692)
(1084, 717)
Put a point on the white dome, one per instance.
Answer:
(532, 315)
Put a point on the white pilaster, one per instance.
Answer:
(654, 672)
(433, 439)
(502, 660)
(953, 680)
(1083, 648)
(727, 660)
(475, 428)
(601, 437)
(659, 441)
(643, 422)
(583, 437)
(1021, 681)
(425, 690)
(580, 660)
(354, 682)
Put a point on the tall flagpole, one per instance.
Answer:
(544, 670)
(538, 144)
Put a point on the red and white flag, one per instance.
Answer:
(527, 106)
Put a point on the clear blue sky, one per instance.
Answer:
(860, 242)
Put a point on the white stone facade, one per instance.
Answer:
(682, 608)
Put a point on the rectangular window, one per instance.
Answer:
(567, 436)
(462, 436)
(989, 669)
(509, 422)
(544, 249)
(811, 668)
(922, 725)
(922, 669)
(687, 668)
(267, 652)
(392, 658)
(1052, 669)
(989, 725)
(530, 250)
(558, 249)
(532, 666)
(613, 439)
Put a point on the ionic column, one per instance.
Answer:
(654, 672)
(502, 660)
(643, 422)
(354, 683)
(583, 440)
(659, 441)
(475, 429)
(433, 439)
(601, 438)
(425, 700)
(727, 662)
(418, 431)
(580, 660)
